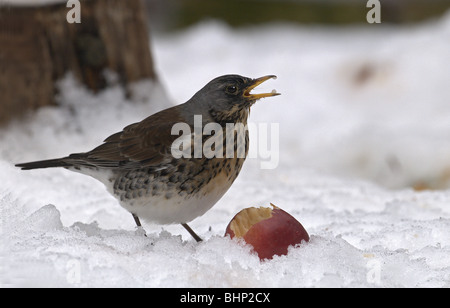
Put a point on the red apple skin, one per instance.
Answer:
(274, 235)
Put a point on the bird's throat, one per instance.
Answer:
(232, 116)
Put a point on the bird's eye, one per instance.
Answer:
(232, 89)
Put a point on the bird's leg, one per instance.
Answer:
(138, 223)
(191, 232)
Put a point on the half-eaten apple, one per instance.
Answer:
(269, 230)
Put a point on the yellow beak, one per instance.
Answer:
(257, 82)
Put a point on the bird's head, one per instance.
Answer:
(228, 98)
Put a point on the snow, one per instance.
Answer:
(363, 117)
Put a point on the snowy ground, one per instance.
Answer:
(364, 116)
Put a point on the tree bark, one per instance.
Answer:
(38, 46)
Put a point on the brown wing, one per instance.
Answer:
(144, 144)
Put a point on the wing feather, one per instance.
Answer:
(144, 144)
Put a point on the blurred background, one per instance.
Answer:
(361, 100)
(169, 15)
(363, 146)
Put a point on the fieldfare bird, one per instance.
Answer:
(138, 165)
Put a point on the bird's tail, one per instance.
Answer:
(50, 163)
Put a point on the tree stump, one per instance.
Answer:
(38, 46)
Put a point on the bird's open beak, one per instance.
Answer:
(257, 82)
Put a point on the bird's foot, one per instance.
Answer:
(140, 230)
(191, 232)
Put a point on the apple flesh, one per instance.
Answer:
(269, 230)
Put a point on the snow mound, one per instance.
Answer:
(358, 107)
(351, 248)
